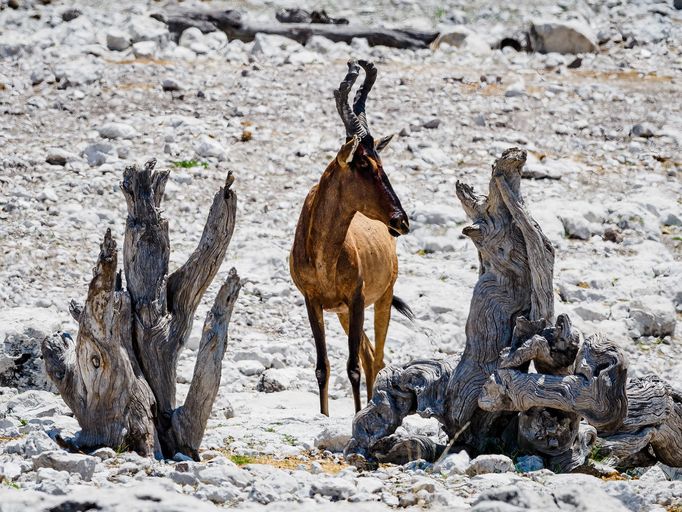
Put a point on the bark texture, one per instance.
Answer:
(488, 400)
(237, 27)
(119, 375)
(652, 429)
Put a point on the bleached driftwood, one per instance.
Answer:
(487, 401)
(119, 375)
(237, 27)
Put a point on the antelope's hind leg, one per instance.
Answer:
(316, 318)
(382, 317)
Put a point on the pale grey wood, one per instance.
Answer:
(595, 390)
(487, 400)
(146, 252)
(504, 236)
(189, 420)
(98, 375)
(416, 388)
(652, 430)
(119, 376)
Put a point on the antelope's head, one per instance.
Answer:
(368, 190)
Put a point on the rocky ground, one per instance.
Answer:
(85, 91)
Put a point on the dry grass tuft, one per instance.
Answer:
(329, 466)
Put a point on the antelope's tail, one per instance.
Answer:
(401, 307)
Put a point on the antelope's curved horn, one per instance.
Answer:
(349, 118)
(363, 91)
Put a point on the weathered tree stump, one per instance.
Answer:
(119, 375)
(487, 400)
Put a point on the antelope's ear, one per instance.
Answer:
(347, 151)
(381, 144)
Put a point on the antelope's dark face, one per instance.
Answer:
(368, 189)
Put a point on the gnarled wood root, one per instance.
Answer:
(652, 429)
(416, 388)
(119, 375)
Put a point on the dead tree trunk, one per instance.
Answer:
(487, 400)
(119, 375)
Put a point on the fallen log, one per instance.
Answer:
(237, 27)
(298, 15)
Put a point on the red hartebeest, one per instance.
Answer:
(344, 254)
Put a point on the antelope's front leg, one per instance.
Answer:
(316, 318)
(356, 310)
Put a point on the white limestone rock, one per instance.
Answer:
(250, 367)
(438, 215)
(78, 72)
(9, 470)
(456, 36)
(60, 460)
(269, 45)
(118, 40)
(562, 37)
(222, 474)
(454, 464)
(333, 488)
(35, 443)
(653, 315)
(146, 28)
(334, 437)
(59, 156)
(210, 148)
(145, 49)
(36, 404)
(273, 380)
(117, 131)
(99, 153)
(490, 464)
(139, 496)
